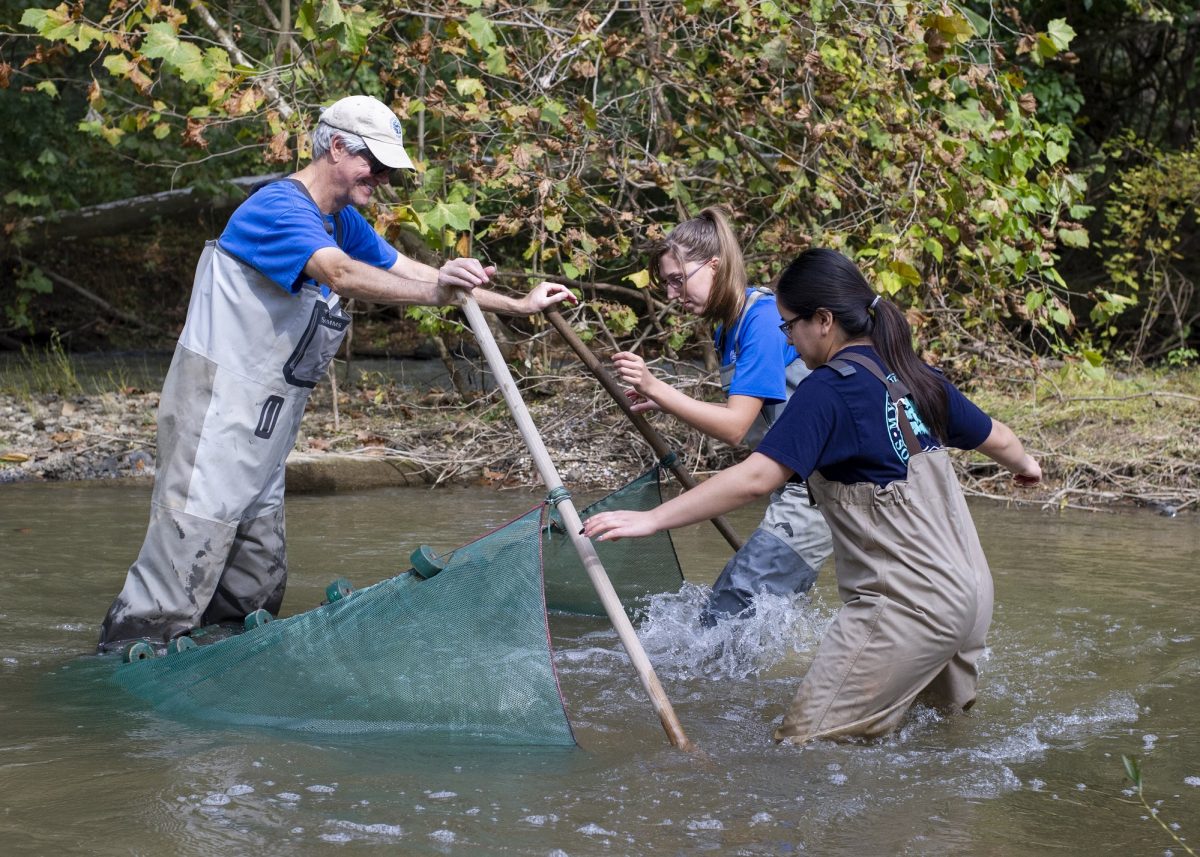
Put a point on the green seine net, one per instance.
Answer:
(464, 653)
(637, 568)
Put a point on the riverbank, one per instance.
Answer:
(1118, 442)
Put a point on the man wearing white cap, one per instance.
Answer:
(264, 321)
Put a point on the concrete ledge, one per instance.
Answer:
(330, 474)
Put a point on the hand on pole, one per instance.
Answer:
(545, 295)
(639, 404)
(465, 272)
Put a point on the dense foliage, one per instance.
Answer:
(925, 139)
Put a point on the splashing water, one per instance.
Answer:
(776, 629)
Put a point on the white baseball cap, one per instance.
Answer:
(375, 122)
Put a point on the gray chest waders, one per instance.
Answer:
(916, 598)
(247, 360)
(787, 549)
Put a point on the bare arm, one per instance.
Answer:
(728, 421)
(1003, 447)
(406, 283)
(755, 477)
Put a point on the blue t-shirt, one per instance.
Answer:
(762, 352)
(279, 227)
(845, 427)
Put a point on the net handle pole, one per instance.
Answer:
(587, 551)
(639, 422)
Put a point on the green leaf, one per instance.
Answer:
(906, 272)
(466, 86)
(357, 30)
(306, 21)
(118, 65)
(1060, 33)
(34, 280)
(450, 215)
(640, 279)
(1055, 152)
(554, 222)
(589, 114)
(162, 42)
(1033, 300)
(1073, 237)
(36, 19)
(331, 15)
(497, 61)
(1133, 770)
(48, 87)
(479, 31)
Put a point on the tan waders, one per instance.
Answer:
(916, 593)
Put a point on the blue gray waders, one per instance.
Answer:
(247, 360)
(787, 549)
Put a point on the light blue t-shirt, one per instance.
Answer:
(761, 354)
(279, 227)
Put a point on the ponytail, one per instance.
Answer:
(706, 236)
(825, 279)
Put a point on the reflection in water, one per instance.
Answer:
(1094, 654)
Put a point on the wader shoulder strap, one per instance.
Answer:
(338, 231)
(751, 300)
(897, 390)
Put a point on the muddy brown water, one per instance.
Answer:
(1094, 653)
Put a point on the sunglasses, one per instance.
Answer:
(378, 167)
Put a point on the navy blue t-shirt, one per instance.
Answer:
(845, 427)
(279, 227)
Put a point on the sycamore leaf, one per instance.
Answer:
(162, 42)
(358, 29)
(450, 215)
(1060, 33)
(470, 86)
(641, 278)
(1055, 152)
(331, 15)
(479, 31)
(1073, 237)
(497, 61)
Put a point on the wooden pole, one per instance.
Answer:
(587, 551)
(639, 422)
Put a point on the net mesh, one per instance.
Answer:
(637, 568)
(465, 652)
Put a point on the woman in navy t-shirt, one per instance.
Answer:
(700, 263)
(867, 430)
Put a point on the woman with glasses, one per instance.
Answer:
(868, 430)
(700, 263)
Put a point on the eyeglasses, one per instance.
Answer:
(378, 167)
(786, 326)
(677, 281)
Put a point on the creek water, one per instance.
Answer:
(1094, 654)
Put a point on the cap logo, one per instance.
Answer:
(396, 127)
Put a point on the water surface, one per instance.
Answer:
(1094, 654)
